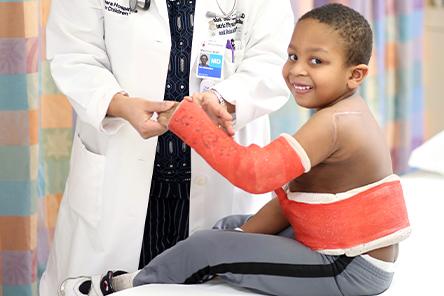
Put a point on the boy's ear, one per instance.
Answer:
(358, 73)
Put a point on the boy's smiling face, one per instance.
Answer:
(315, 71)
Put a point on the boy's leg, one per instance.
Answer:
(271, 264)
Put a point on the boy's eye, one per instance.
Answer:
(293, 57)
(315, 61)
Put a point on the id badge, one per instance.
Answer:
(211, 59)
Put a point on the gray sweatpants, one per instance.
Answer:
(271, 264)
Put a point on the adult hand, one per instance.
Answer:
(138, 112)
(218, 113)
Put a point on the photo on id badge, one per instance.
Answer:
(211, 56)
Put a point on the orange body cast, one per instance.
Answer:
(372, 218)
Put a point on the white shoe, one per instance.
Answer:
(98, 285)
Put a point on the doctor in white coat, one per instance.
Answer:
(99, 48)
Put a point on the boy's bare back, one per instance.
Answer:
(349, 145)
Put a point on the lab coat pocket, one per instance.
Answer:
(85, 182)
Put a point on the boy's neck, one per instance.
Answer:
(345, 96)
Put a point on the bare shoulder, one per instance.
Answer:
(354, 115)
(350, 146)
(341, 116)
(360, 141)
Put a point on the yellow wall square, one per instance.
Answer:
(34, 155)
(31, 13)
(45, 8)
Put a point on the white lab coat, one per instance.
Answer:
(96, 52)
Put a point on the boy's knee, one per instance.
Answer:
(232, 221)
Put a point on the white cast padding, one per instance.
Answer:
(299, 150)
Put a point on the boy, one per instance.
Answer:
(342, 200)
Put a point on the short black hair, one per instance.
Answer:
(353, 28)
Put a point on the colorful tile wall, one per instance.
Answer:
(36, 128)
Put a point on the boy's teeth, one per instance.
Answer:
(302, 87)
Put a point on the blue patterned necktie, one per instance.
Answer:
(173, 156)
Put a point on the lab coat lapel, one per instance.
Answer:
(163, 10)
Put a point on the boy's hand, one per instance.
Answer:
(164, 117)
(218, 113)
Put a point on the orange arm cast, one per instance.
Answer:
(253, 169)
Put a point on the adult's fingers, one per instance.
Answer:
(159, 106)
(151, 129)
(227, 127)
(223, 113)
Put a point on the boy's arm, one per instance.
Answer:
(164, 117)
(253, 169)
(268, 220)
(219, 114)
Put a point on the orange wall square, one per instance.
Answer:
(18, 233)
(19, 19)
(391, 56)
(43, 44)
(390, 134)
(56, 111)
(52, 208)
(33, 126)
(12, 22)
